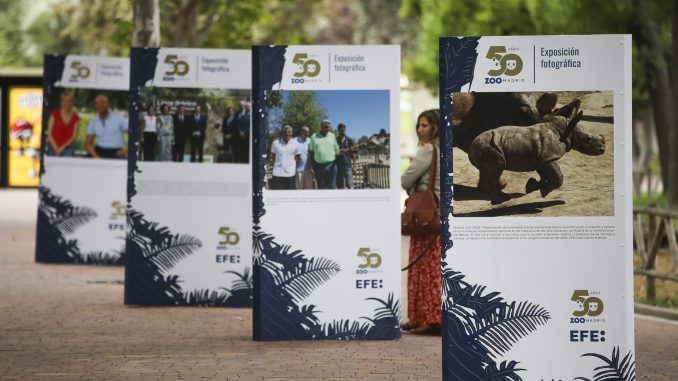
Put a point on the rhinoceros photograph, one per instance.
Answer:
(533, 154)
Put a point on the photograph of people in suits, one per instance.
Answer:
(199, 125)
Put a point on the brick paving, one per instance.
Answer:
(66, 322)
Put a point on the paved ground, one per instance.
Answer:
(65, 322)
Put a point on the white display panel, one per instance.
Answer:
(327, 252)
(537, 239)
(188, 183)
(81, 216)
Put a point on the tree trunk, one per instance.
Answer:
(146, 24)
(643, 146)
(671, 183)
(661, 88)
(189, 21)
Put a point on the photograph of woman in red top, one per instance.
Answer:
(63, 128)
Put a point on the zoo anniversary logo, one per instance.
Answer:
(308, 68)
(371, 261)
(176, 67)
(504, 62)
(79, 72)
(228, 250)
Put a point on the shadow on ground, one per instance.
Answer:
(528, 208)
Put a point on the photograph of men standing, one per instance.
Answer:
(198, 126)
(304, 173)
(323, 151)
(107, 129)
(181, 130)
(285, 155)
(228, 129)
(241, 138)
(347, 155)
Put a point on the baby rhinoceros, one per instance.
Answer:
(523, 149)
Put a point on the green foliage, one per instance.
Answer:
(644, 200)
(521, 17)
(12, 40)
(286, 22)
(233, 26)
(301, 108)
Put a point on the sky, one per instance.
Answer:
(364, 112)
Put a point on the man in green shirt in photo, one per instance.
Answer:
(323, 151)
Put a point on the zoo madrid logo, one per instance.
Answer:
(229, 237)
(588, 311)
(177, 67)
(587, 305)
(228, 250)
(117, 220)
(371, 261)
(79, 71)
(308, 68)
(504, 62)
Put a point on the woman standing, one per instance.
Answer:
(424, 276)
(150, 134)
(63, 128)
(165, 131)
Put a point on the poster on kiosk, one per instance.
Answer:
(536, 205)
(189, 178)
(326, 192)
(81, 213)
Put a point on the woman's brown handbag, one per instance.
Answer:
(421, 216)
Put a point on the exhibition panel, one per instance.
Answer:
(326, 192)
(536, 197)
(189, 178)
(81, 214)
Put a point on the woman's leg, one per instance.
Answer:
(414, 286)
(424, 286)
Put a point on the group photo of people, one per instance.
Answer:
(194, 125)
(87, 123)
(328, 140)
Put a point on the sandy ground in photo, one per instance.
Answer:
(588, 185)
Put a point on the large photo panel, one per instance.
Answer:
(81, 214)
(535, 162)
(326, 195)
(189, 178)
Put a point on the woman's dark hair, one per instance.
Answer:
(433, 117)
(162, 108)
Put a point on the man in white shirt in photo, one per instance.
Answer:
(285, 153)
(106, 132)
(304, 172)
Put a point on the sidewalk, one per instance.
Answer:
(66, 322)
